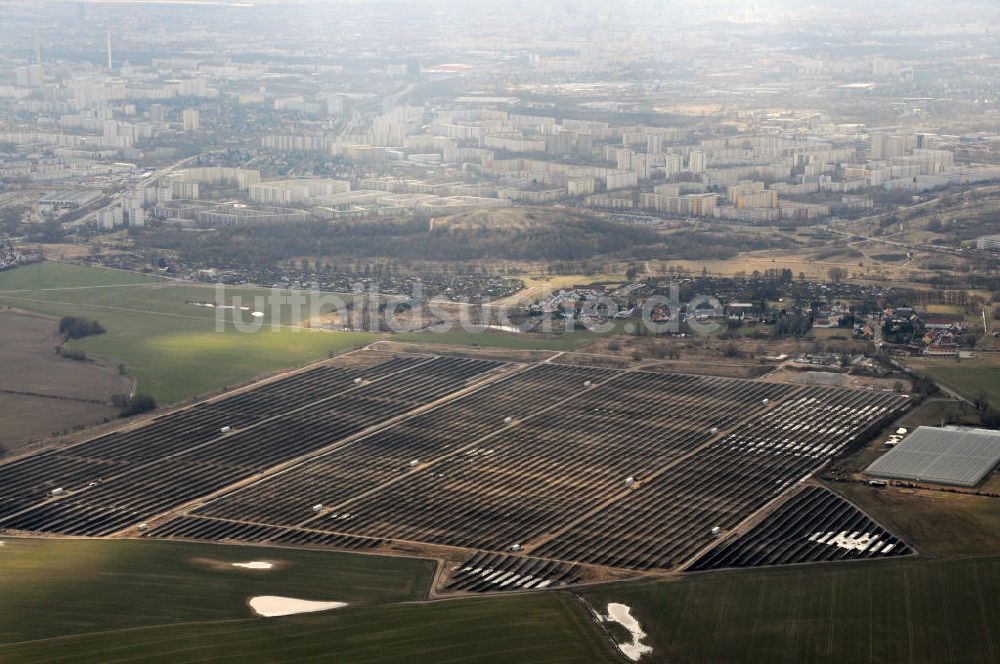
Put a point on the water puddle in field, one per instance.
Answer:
(273, 606)
(212, 305)
(257, 564)
(513, 329)
(622, 614)
(229, 566)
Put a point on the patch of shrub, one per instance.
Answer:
(72, 327)
(136, 405)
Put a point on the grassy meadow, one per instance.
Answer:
(904, 610)
(176, 350)
(970, 377)
(170, 346)
(57, 587)
(156, 601)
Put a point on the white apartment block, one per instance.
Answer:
(286, 192)
(192, 119)
(697, 162)
(580, 186)
(109, 218)
(621, 180)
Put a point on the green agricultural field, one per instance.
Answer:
(170, 346)
(970, 378)
(55, 587)
(549, 628)
(969, 381)
(938, 523)
(179, 364)
(41, 276)
(152, 601)
(906, 610)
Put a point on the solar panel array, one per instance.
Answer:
(617, 469)
(669, 518)
(493, 572)
(122, 478)
(814, 525)
(962, 457)
(561, 467)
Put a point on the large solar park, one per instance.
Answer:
(518, 476)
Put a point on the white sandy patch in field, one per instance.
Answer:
(622, 614)
(272, 606)
(256, 564)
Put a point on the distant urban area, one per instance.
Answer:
(481, 331)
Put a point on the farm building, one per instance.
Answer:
(948, 455)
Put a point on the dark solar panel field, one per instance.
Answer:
(533, 472)
(814, 525)
(118, 480)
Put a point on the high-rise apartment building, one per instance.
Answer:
(192, 119)
(697, 162)
(891, 146)
(31, 76)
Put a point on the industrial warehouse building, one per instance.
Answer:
(948, 455)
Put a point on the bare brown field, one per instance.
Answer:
(798, 261)
(74, 252)
(729, 370)
(835, 379)
(616, 353)
(26, 422)
(28, 354)
(42, 393)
